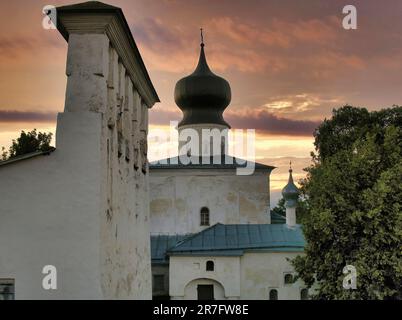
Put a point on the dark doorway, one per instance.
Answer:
(205, 292)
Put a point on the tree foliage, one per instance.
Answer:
(354, 196)
(301, 209)
(349, 124)
(28, 142)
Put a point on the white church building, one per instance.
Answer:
(212, 235)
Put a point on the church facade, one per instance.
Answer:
(212, 235)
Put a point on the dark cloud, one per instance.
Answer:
(261, 120)
(26, 116)
(272, 124)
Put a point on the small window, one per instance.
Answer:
(159, 282)
(304, 294)
(273, 294)
(288, 278)
(7, 289)
(210, 266)
(204, 216)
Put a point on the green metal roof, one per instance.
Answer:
(161, 243)
(227, 162)
(234, 239)
(277, 218)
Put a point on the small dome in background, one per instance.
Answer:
(290, 192)
(202, 96)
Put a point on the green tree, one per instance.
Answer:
(301, 209)
(4, 154)
(26, 143)
(349, 124)
(354, 196)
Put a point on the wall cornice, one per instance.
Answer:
(98, 18)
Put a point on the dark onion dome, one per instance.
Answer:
(202, 96)
(290, 192)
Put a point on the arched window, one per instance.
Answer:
(210, 265)
(204, 216)
(288, 278)
(273, 294)
(304, 294)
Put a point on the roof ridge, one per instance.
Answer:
(194, 235)
(167, 163)
(27, 156)
(279, 236)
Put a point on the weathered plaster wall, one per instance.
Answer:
(176, 197)
(124, 218)
(187, 272)
(250, 276)
(85, 207)
(261, 272)
(50, 215)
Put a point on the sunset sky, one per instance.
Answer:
(289, 63)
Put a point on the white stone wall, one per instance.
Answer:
(85, 207)
(187, 272)
(50, 215)
(261, 272)
(125, 255)
(177, 196)
(161, 270)
(250, 276)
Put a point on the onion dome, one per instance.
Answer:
(290, 192)
(202, 96)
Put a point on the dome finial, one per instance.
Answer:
(202, 38)
(290, 180)
(290, 192)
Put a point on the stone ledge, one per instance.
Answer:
(97, 17)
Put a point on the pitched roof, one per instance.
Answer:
(277, 218)
(208, 163)
(27, 156)
(234, 239)
(160, 244)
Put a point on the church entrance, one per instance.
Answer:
(204, 289)
(205, 292)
